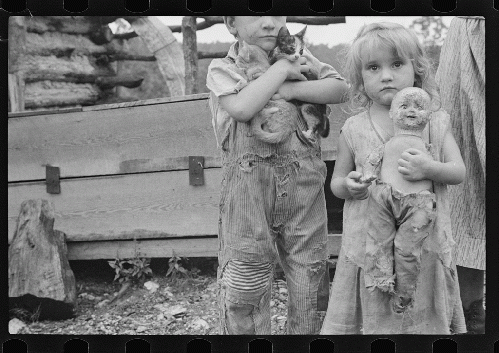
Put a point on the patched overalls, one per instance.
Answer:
(272, 205)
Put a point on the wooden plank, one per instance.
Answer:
(199, 247)
(152, 101)
(146, 205)
(135, 137)
(142, 138)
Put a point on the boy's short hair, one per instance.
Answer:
(402, 42)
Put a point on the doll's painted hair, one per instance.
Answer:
(402, 42)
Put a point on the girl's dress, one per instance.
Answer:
(353, 309)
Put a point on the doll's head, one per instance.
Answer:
(410, 110)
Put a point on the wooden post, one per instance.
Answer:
(189, 46)
(40, 277)
(17, 47)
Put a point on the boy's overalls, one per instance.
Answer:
(272, 198)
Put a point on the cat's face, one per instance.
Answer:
(290, 45)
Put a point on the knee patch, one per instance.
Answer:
(247, 276)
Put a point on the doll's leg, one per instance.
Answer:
(380, 227)
(417, 224)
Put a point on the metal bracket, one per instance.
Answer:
(196, 170)
(52, 179)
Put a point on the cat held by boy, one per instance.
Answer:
(279, 118)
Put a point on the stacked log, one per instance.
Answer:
(72, 61)
(40, 278)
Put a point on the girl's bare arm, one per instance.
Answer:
(417, 165)
(345, 182)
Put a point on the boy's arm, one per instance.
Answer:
(328, 90)
(242, 106)
(417, 165)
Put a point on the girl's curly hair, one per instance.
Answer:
(403, 43)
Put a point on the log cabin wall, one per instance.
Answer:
(73, 61)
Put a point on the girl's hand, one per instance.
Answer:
(414, 164)
(293, 69)
(356, 188)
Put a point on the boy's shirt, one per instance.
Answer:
(225, 78)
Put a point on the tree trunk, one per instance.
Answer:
(40, 277)
(189, 45)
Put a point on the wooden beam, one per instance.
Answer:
(104, 82)
(72, 24)
(189, 46)
(122, 249)
(50, 93)
(208, 55)
(103, 57)
(153, 248)
(16, 54)
(311, 20)
(125, 56)
(128, 81)
(102, 35)
(82, 66)
(316, 20)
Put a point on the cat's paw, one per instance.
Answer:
(256, 75)
(310, 135)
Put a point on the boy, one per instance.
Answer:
(272, 195)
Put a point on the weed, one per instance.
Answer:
(130, 269)
(25, 315)
(175, 268)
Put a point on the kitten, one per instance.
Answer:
(279, 118)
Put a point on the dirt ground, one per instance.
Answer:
(183, 306)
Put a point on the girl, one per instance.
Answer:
(383, 59)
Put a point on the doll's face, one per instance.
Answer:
(410, 109)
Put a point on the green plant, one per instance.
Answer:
(130, 269)
(175, 267)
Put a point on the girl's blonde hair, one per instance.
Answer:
(403, 43)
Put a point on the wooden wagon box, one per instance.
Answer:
(124, 176)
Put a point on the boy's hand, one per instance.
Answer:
(355, 187)
(284, 92)
(414, 164)
(293, 69)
